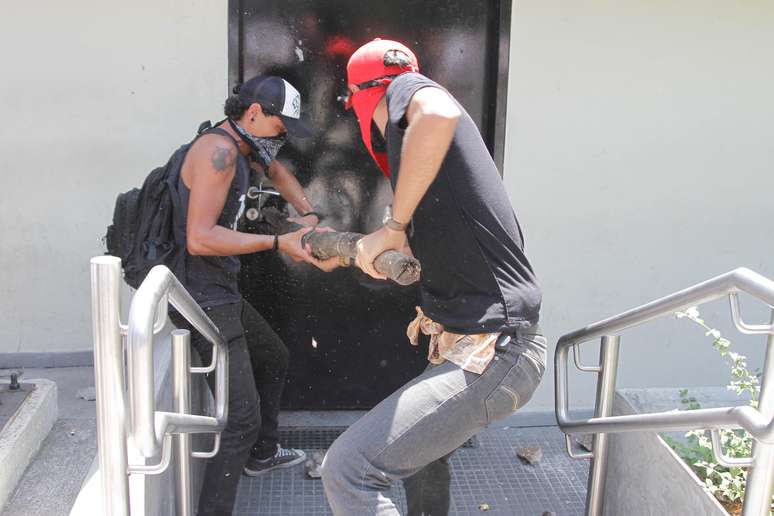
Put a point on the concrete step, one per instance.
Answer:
(52, 480)
(24, 430)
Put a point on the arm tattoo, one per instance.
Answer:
(223, 158)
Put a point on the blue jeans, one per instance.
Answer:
(410, 435)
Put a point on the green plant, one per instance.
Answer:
(726, 484)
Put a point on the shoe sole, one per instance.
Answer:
(253, 473)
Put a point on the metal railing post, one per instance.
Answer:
(760, 476)
(109, 383)
(758, 421)
(181, 380)
(148, 425)
(608, 361)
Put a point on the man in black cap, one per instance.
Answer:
(213, 181)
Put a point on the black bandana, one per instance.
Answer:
(264, 149)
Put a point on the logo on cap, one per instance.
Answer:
(296, 106)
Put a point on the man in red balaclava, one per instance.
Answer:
(479, 298)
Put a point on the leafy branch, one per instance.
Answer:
(727, 484)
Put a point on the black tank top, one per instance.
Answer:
(213, 280)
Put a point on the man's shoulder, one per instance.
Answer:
(402, 90)
(210, 140)
(409, 80)
(213, 151)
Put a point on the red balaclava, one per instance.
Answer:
(369, 76)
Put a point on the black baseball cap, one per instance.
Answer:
(278, 96)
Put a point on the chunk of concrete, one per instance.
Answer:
(586, 441)
(530, 455)
(313, 464)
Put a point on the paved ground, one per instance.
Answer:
(489, 473)
(52, 481)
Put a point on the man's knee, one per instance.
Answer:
(245, 423)
(331, 463)
(283, 357)
(338, 466)
(273, 360)
(346, 468)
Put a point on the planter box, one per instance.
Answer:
(645, 477)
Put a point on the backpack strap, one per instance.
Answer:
(222, 132)
(207, 128)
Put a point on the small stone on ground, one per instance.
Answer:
(312, 465)
(585, 441)
(530, 454)
(88, 394)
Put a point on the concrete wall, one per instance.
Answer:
(640, 161)
(93, 95)
(639, 155)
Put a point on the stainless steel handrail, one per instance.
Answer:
(159, 324)
(109, 383)
(759, 423)
(149, 426)
(739, 280)
(149, 430)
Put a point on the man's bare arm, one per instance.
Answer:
(289, 187)
(213, 169)
(432, 118)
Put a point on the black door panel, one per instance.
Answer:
(346, 332)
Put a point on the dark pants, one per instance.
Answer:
(427, 492)
(258, 362)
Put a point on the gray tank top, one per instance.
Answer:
(213, 280)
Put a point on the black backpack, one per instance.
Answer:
(147, 228)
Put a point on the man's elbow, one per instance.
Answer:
(195, 245)
(194, 248)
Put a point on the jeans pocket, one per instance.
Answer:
(514, 391)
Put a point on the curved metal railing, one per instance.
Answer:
(758, 422)
(138, 421)
(149, 426)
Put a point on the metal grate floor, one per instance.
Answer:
(322, 438)
(488, 472)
